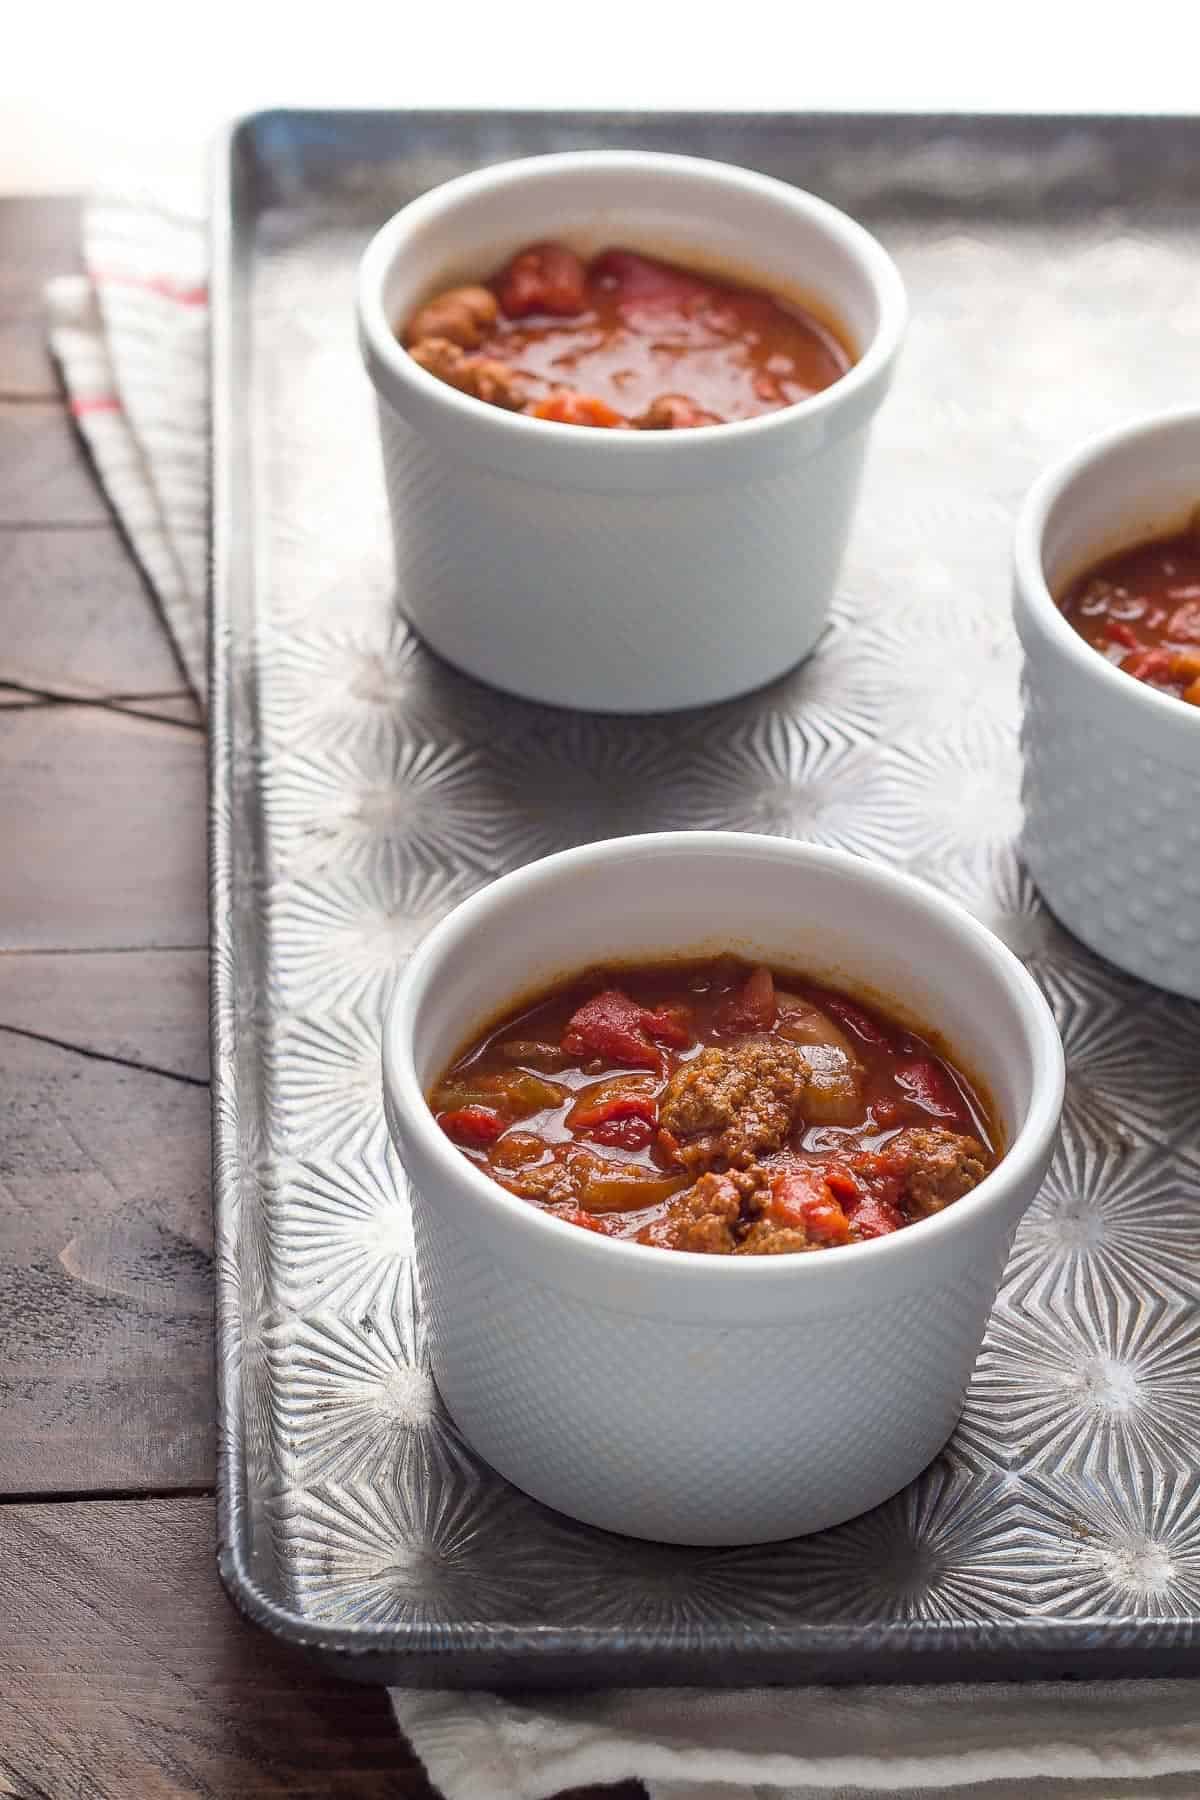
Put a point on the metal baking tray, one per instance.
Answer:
(360, 788)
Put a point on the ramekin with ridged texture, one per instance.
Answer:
(625, 571)
(1112, 765)
(710, 1399)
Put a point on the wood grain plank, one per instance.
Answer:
(142, 1007)
(106, 1278)
(182, 708)
(39, 238)
(45, 476)
(78, 618)
(122, 1668)
(125, 1672)
(102, 819)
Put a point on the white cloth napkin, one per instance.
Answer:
(131, 338)
(1070, 1740)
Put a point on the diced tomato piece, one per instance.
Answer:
(842, 1183)
(791, 1191)
(883, 1173)
(635, 1106)
(1148, 665)
(859, 1022)
(566, 407)
(546, 278)
(886, 1113)
(632, 1133)
(928, 1084)
(621, 1097)
(610, 1025)
(801, 1197)
(575, 1215)
(1118, 632)
(625, 1118)
(668, 1143)
(476, 1125)
(669, 1025)
(641, 279)
(1184, 626)
(752, 1008)
(826, 1223)
(874, 1217)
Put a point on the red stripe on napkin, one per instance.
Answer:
(97, 403)
(153, 284)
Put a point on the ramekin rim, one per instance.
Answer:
(381, 343)
(1042, 608)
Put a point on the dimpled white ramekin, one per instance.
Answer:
(623, 571)
(698, 1399)
(1112, 767)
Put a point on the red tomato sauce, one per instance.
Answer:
(624, 342)
(1141, 610)
(717, 1107)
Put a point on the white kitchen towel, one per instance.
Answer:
(1066, 1740)
(131, 339)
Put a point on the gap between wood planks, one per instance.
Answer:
(78, 1497)
(97, 949)
(56, 525)
(103, 1056)
(130, 706)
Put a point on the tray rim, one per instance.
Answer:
(496, 1655)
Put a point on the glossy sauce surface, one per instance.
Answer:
(714, 1106)
(1141, 610)
(651, 329)
(649, 345)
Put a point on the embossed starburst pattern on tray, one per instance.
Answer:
(363, 789)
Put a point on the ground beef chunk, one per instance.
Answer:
(936, 1166)
(754, 1186)
(550, 1183)
(484, 377)
(464, 315)
(702, 1218)
(674, 412)
(728, 1106)
(765, 1238)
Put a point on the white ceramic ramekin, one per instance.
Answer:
(693, 1398)
(1112, 767)
(623, 571)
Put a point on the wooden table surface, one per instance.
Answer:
(124, 1671)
